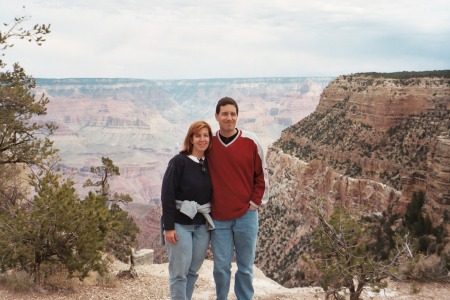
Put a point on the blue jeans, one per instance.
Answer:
(239, 235)
(185, 259)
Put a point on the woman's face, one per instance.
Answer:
(200, 142)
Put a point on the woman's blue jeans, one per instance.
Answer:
(185, 259)
(239, 235)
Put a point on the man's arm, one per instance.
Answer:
(260, 194)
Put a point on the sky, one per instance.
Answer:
(198, 39)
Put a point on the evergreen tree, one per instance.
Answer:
(345, 259)
(21, 139)
(414, 219)
(56, 227)
(122, 234)
(419, 224)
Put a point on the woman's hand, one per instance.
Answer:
(171, 236)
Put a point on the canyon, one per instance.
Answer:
(140, 124)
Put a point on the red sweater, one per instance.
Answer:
(238, 175)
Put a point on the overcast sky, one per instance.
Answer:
(187, 39)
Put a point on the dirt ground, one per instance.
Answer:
(152, 284)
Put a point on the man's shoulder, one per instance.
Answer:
(249, 135)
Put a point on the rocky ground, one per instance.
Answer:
(152, 284)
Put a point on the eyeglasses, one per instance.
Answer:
(202, 163)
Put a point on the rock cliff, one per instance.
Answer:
(373, 141)
(383, 102)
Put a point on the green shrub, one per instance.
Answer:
(18, 281)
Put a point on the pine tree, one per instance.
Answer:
(21, 139)
(122, 234)
(57, 227)
(345, 259)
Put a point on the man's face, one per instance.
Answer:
(227, 118)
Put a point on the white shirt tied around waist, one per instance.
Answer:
(191, 208)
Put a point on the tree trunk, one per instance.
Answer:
(37, 274)
(355, 295)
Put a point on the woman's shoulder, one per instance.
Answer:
(178, 158)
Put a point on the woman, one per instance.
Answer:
(185, 196)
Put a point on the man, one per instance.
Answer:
(240, 186)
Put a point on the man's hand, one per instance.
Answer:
(252, 208)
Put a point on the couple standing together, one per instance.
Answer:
(211, 191)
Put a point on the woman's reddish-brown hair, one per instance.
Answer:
(193, 129)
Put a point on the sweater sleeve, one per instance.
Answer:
(260, 194)
(169, 185)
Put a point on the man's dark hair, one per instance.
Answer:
(225, 101)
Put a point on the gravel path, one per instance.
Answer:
(152, 284)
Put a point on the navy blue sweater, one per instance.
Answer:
(184, 180)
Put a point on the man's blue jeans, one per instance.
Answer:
(185, 259)
(240, 235)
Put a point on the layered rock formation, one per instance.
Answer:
(373, 141)
(385, 102)
(140, 124)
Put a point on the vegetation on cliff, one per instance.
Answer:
(408, 75)
(347, 145)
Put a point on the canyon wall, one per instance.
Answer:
(384, 102)
(371, 143)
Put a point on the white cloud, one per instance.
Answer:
(210, 38)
